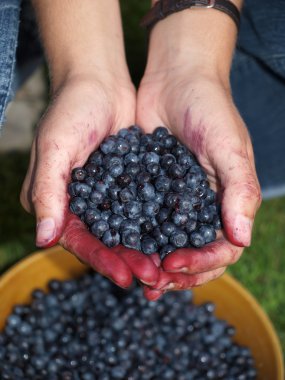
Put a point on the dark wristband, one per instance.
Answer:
(164, 8)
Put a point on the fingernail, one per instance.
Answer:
(147, 283)
(169, 286)
(45, 232)
(179, 270)
(242, 230)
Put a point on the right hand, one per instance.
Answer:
(81, 114)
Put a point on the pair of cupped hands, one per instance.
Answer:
(199, 111)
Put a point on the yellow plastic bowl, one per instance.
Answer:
(234, 304)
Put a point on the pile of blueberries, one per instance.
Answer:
(147, 192)
(89, 329)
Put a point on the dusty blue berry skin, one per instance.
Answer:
(150, 208)
(162, 183)
(179, 219)
(165, 250)
(168, 228)
(148, 245)
(117, 208)
(150, 158)
(151, 181)
(179, 239)
(108, 145)
(128, 224)
(146, 192)
(91, 216)
(197, 239)
(208, 232)
(160, 238)
(78, 206)
(98, 228)
(111, 238)
(115, 221)
(96, 197)
(131, 239)
(78, 174)
(132, 209)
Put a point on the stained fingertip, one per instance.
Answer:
(152, 295)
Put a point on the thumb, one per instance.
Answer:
(241, 197)
(49, 196)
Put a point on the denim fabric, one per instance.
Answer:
(258, 86)
(9, 23)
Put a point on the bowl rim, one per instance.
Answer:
(226, 278)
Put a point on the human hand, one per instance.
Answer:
(194, 101)
(81, 114)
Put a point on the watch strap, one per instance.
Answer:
(164, 8)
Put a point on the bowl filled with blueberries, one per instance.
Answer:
(60, 321)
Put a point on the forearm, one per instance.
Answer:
(81, 37)
(203, 39)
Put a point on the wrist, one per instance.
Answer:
(201, 39)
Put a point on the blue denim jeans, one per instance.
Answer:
(9, 23)
(257, 77)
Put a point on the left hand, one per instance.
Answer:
(196, 105)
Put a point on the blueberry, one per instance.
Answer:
(186, 160)
(159, 198)
(217, 223)
(78, 174)
(143, 177)
(192, 180)
(96, 197)
(131, 239)
(200, 192)
(122, 147)
(117, 208)
(208, 232)
(108, 179)
(210, 197)
(150, 208)
(136, 129)
(124, 132)
(146, 227)
(115, 221)
(132, 209)
(126, 195)
(78, 206)
(190, 226)
(148, 245)
(198, 170)
(116, 170)
(146, 192)
(98, 228)
(93, 170)
(79, 189)
(90, 181)
(133, 169)
(179, 219)
(205, 215)
(184, 205)
(129, 224)
(162, 183)
(163, 215)
(155, 147)
(167, 160)
(150, 158)
(169, 141)
(160, 238)
(91, 216)
(179, 239)
(165, 250)
(96, 158)
(197, 240)
(160, 133)
(178, 185)
(113, 192)
(101, 186)
(168, 228)
(105, 215)
(131, 158)
(111, 238)
(171, 200)
(124, 180)
(153, 169)
(108, 145)
(176, 171)
(105, 205)
(178, 150)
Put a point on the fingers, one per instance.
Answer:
(178, 281)
(78, 240)
(141, 265)
(241, 197)
(218, 254)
